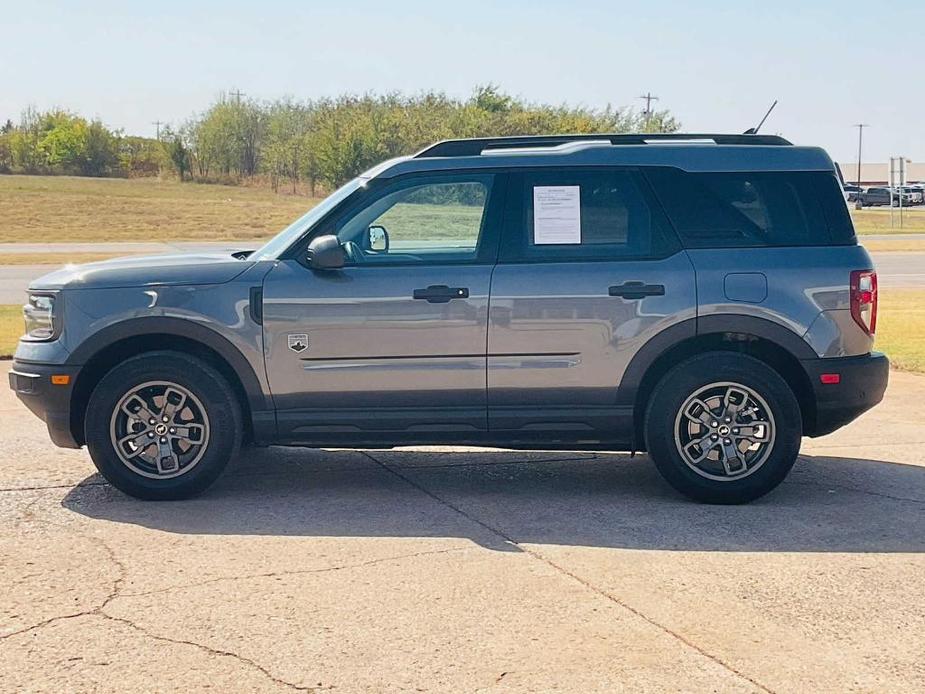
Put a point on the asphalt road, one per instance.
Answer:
(895, 269)
(464, 570)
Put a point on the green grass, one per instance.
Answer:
(897, 244)
(901, 328)
(11, 327)
(66, 208)
(877, 221)
(58, 258)
(410, 222)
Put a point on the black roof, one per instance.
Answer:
(475, 146)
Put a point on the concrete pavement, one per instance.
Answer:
(900, 269)
(463, 570)
(126, 247)
(14, 279)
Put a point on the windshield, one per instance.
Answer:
(279, 243)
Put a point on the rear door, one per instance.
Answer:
(588, 273)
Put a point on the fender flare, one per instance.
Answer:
(163, 325)
(674, 335)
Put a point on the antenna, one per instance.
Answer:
(754, 131)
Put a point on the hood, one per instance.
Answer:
(204, 268)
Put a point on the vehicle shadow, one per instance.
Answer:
(496, 498)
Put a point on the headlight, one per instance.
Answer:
(39, 314)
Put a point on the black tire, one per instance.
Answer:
(664, 414)
(208, 387)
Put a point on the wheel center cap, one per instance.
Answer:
(160, 429)
(723, 430)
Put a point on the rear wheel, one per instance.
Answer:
(162, 425)
(723, 428)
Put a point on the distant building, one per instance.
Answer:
(879, 174)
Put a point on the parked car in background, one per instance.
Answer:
(851, 192)
(878, 197)
(915, 194)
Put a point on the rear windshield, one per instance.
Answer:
(720, 210)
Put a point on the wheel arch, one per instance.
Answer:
(97, 355)
(775, 345)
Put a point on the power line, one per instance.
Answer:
(648, 97)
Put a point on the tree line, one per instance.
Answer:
(313, 144)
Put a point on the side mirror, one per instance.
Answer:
(377, 238)
(326, 253)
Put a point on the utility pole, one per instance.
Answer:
(649, 98)
(858, 204)
(157, 124)
(860, 127)
(237, 94)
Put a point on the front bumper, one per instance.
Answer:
(50, 402)
(861, 384)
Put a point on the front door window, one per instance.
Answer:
(419, 223)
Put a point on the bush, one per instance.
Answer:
(306, 144)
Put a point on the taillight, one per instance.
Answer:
(864, 299)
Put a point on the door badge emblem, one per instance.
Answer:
(298, 343)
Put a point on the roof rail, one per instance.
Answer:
(475, 146)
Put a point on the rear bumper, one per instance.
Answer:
(862, 382)
(49, 402)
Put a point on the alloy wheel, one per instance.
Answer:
(724, 431)
(159, 429)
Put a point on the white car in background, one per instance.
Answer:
(917, 191)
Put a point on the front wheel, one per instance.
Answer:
(162, 425)
(723, 428)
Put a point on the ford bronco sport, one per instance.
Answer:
(699, 297)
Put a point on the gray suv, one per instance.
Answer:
(699, 297)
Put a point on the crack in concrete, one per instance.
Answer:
(865, 492)
(425, 468)
(114, 593)
(264, 473)
(565, 572)
(294, 572)
(843, 487)
(827, 446)
(211, 651)
(54, 486)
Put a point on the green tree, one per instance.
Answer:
(325, 141)
(284, 147)
(6, 153)
(141, 156)
(99, 154)
(178, 152)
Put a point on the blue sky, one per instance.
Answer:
(716, 65)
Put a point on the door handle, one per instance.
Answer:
(440, 293)
(636, 290)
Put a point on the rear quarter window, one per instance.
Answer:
(753, 209)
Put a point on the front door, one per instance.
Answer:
(394, 344)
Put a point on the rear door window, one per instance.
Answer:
(716, 210)
(583, 215)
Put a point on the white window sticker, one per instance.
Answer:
(556, 214)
